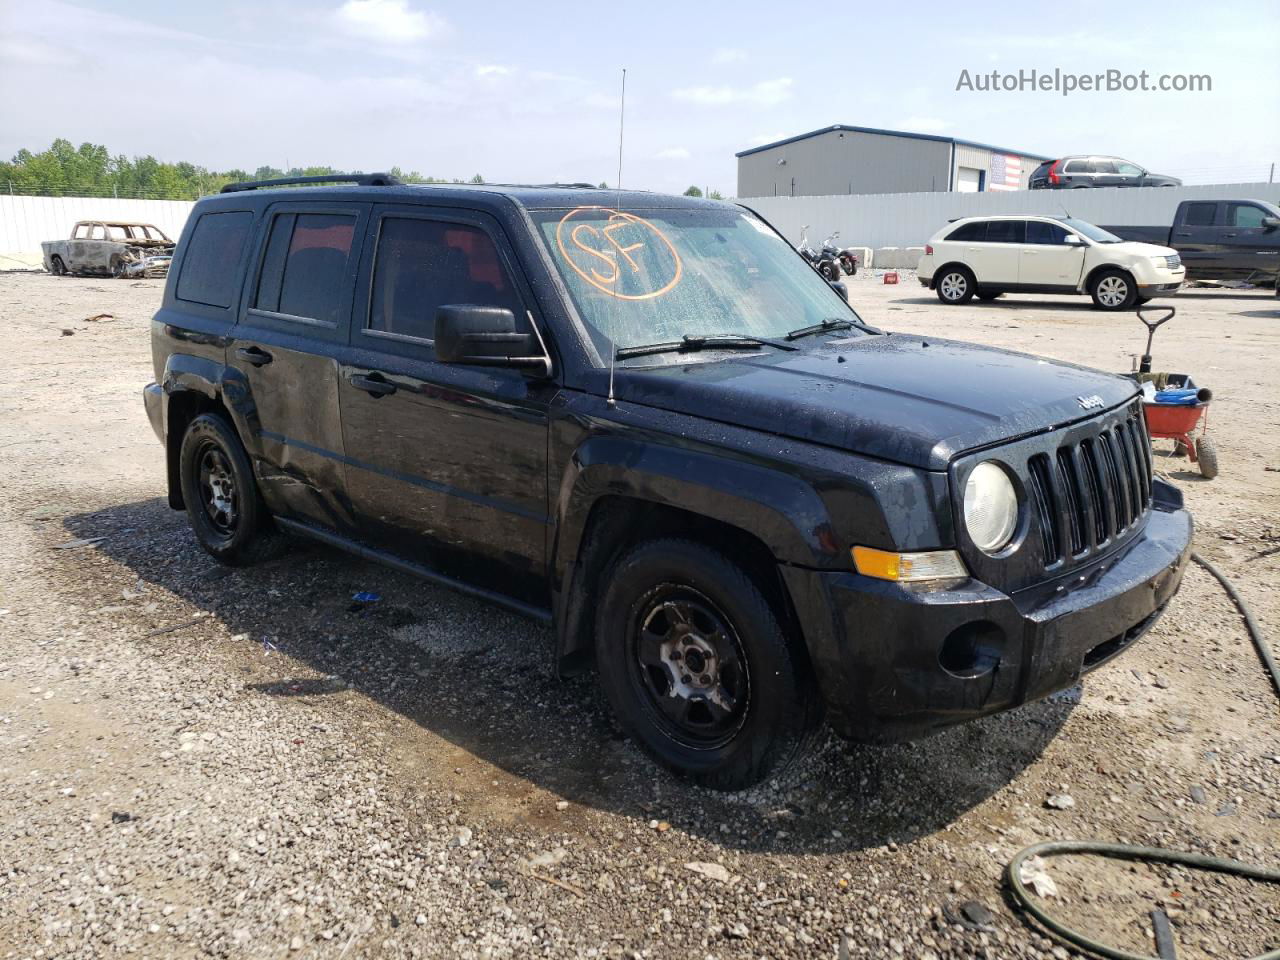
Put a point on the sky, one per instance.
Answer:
(529, 92)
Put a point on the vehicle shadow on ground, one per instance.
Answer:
(1004, 303)
(477, 676)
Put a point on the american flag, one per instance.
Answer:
(1006, 172)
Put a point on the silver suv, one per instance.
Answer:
(1094, 171)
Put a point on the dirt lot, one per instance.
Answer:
(197, 761)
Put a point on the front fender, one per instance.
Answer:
(780, 510)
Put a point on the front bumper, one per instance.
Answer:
(1156, 289)
(879, 648)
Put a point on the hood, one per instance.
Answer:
(913, 400)
(1139, 249)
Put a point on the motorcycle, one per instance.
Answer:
(825, 262)
(843, 256)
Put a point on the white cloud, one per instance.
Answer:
(672, 153)
(388, 21)
(492, 70)
(766, 93)
(728, 55)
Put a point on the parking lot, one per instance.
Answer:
(198, 760)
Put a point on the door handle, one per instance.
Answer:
(1228, 234)
(1184, 233)
(254, 355)
(374, 384)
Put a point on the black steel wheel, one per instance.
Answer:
(58, 268)
(698, 667)
(686, 664)
(219, 490)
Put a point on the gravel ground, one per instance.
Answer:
(197, 761)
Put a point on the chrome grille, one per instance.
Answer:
(1093, 490)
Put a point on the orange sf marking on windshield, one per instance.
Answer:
(602, 256)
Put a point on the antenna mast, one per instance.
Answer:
(622, 119)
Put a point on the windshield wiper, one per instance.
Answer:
(831, 323)
(692, 342)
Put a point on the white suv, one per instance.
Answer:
(989, 256)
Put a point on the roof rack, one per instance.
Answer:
(362, 179)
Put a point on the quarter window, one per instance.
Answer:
(211, 264)
(305, 266)
(1078, 166)
(1040, 232)
(974, 232)
(1201, 214)
(422, 265)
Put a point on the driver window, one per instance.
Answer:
(422, 265)
(1245, 215)
(97, 232)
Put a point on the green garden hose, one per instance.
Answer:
(1118, 851)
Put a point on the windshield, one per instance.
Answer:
(1094, 233)
(643, 276)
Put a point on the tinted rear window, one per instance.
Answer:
(210, 267)
(970, 232)
(1006, 231)
(305, 266)
(1201, 214)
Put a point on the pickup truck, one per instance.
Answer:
(110, 248)
(1220, 239)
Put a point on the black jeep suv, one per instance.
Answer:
(648, 421)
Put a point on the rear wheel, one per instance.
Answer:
(1113, 290)
(219, 490)
(58, 268)
(956, 285)
(699, 669)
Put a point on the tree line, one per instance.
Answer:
(91, 170)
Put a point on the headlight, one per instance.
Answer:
(990, 507)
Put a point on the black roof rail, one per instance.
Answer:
(362, 179)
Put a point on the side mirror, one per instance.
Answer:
(467, 333)
(1270, 223)
(1072, 240)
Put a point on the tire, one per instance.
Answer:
(829, 269)
(989, 295)
(1113, 290)
(117, 269)
(57, 267)
(219, 490)
(1179, 448)
(849, 266)
(749, 706)
(956, 285)
(1207, 455)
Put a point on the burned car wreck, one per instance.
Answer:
(110, 248)
(648, 422)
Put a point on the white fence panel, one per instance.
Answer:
(26, 221)
(910, 219)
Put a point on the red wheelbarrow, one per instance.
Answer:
(1177, 420)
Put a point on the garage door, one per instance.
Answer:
(968, 180)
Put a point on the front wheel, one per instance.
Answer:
(219, 490)
(1113, 290)
(829, 269)
(698, 668)
(1207, 458)
(956, 286)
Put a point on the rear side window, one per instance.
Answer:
(210, 266)
(1078, 166)
(1103, 166)
(1006, 231)
(1201, 214)
(974, 232)
(305, 266)
(1040, 232)
(422, 265)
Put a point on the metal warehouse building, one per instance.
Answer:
(846, 160)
